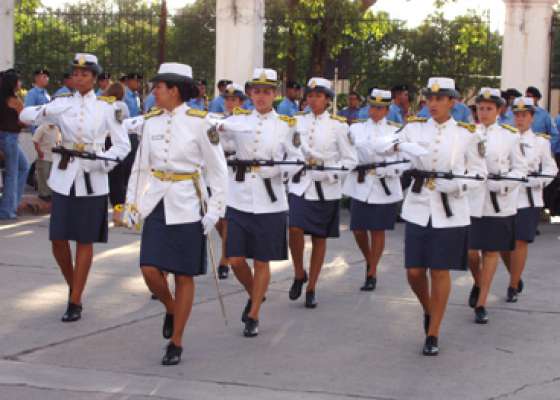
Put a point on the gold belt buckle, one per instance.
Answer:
(312, 162)
(79, 146)
(431, 183)
(372, 171)
(255, 168)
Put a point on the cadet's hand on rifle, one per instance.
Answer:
(412, 149)
(450, 186)
(269, 172)
(496, 186)
(533, 183)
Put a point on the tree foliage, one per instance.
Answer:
(302, 38)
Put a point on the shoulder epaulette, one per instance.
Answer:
(339, 118)
(416, 119)
(300, 113)
(289, 120)
(509, 128)
(193, 112)
(470, 127)
(393, 123)
(61, 95)
(107, 99)
(154, 111)
(241, 111)
(543, 135)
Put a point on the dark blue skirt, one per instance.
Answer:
(526, 223)
(436, 248)
(316, 218)
(372, 217)
(179, 249)
(261, 237)
(492, 233)
(82, 219)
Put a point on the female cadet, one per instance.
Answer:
(233, 98)
(437, 210)
(493, 205)
(314, 194)
(80, 186)
(257, 204)
(536, 150)
(375, 192)
(165, 190)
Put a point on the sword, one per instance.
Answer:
(211, 251)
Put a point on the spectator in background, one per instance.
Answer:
(542, 121)
(352, 110)
(131, 94)
(38, 95)
(67, 85)
(289, 104)
(217, 104)
(398, 109)
(506, 115)
(45, 138)
(15, 163)
(199, 102)
(248, 103)
(103, 81)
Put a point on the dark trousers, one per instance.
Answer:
(119, 176)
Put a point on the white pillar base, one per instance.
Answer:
(239, 38)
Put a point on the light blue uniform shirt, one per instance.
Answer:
(287, 107)
(395, 114)
(62, 90)
(36, 97)
(217, 105)
(364, 112)
(132, 101)
(543, 123)
(507, 118)
(460, 113)
(198, 103)
(149, 102)
(248, 105)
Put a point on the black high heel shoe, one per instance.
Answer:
(172, 355)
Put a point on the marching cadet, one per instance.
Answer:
(165, 191)
(257, 204)
(542, 170)
(494, 204)
(233, 98)
(80, 186)
(375, 190)
(315, 192)
(436, 209)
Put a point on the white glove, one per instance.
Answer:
(413, 149)
(534, 183)
(448, 186)
(496, 186)
(383, 144)
(381, 172)
(209, 222)
(269, 172)
(131, 217)
(319, 176)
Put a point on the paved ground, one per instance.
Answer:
(353, 346)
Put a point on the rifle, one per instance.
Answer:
(363, 168)
(538, 175)
(420, 177)
(494, 195)
(67, 154)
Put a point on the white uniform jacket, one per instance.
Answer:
(324, 141)
(451, 146)
(178, 142)
(536, 150)
(84, 121)
(364, 135)
(502, 148)
(255, 136)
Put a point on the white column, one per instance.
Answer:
(526, 45)
(239, 38)
(6, 34)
